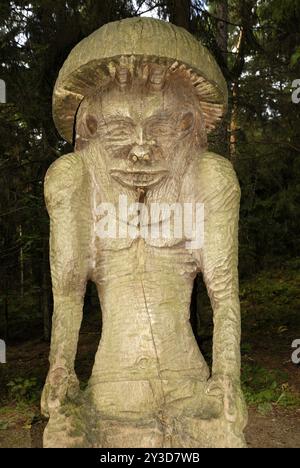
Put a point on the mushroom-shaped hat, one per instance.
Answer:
(146, 40)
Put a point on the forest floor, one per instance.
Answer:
(271, 382)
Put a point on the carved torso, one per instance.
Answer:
(145, 288)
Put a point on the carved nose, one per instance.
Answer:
(140, 153)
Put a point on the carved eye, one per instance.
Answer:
(119, 129)
(185, 124)
(160, 128)
(91, 124)
(124, 132)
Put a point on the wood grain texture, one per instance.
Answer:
(143, 136)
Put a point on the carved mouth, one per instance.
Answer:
(138, 178)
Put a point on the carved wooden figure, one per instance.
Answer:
(139, 97)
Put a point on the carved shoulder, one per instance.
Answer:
(63, 179)
(217, 181)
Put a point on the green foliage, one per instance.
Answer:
(270, 304)
(295, 57)
(266, 388)
(4, 425)
(270, 300)
(23, 389)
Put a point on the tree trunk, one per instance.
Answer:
(180, 11)
(234, 100)
(234, 123)
(222, 37)
(221, 142)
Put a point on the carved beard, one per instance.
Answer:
(168, 189)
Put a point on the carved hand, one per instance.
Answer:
(60, 383)
(228, 389)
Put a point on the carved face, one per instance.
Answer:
(148, 131)
(139, 131)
